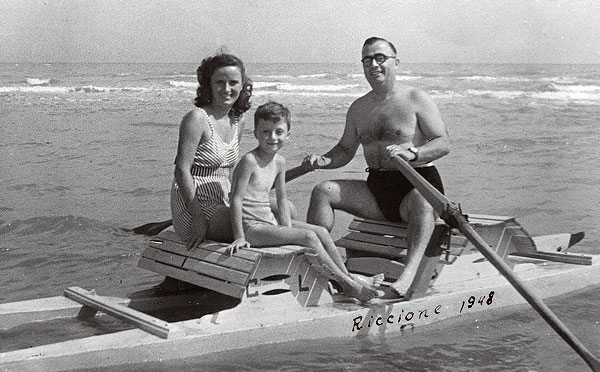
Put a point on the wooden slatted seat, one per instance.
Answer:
(248, 273)
(374, 247)
(380, 247)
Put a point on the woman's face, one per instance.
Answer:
(226, 84)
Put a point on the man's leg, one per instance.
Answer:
(351, 196)
(420, 218)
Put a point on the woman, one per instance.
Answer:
(207, 151)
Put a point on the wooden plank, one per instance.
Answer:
(219, 248)
(230, 289)
(375, 265)
(387, 251)
(401, 225)
(169, 258)
(485, 219)
(216, 271)
(391, 241)
(373, 228)
(143, 321)
(556, 257)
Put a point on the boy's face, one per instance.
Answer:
(271, 135)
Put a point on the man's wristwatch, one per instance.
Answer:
(415, 151)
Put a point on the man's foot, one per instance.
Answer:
(369, 281)
(398, 289)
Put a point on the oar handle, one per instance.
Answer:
(444, 206)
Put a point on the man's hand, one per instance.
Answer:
(400, 150)
(314, 161)
(237, 245)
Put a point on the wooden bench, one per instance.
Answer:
(380, 247)
(248, 273)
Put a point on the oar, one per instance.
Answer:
(154, 228)
(450, 212)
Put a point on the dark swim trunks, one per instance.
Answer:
(390, 187)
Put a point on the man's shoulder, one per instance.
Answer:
(361, 102)
(414, 94)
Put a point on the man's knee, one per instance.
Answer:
(324, 190)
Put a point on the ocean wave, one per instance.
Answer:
(407, 78)
(62, 89)
(289, 87)
(501, 94)
(574, 88)
(316, 87)
(183, 84)
(491, 79)
(309, 94)
(35, 81)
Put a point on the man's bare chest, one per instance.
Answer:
(386, 127)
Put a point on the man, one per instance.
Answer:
(391, 120)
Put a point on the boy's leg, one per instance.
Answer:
(270, 235)
(326, 241)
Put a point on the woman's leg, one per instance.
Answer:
(219, 226)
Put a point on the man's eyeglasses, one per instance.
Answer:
(367, 61)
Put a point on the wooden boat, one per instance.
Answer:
(280, 294)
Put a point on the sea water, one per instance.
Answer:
(87, 150)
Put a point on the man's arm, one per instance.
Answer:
(432, 126)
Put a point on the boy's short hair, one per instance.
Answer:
(272, 111)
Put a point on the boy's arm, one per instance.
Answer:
(285, 218)
(241, 178)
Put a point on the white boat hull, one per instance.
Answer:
(278, 318)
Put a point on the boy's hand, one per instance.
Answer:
(236, 245)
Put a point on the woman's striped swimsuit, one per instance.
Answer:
(210, 171)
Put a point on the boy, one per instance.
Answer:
(251, 216)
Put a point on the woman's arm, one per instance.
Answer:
(191, 131)
(283, 205)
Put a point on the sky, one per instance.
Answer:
(424, 31)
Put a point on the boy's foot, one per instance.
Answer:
(369, 281)
(361, 292)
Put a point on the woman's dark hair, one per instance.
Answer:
(205, 71)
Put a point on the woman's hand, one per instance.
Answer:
(236, 245)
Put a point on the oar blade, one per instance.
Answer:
(152, 228)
